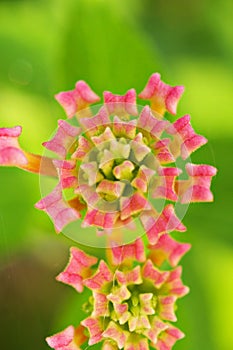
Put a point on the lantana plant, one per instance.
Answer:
(120, 168)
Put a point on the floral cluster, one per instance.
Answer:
(117, 161)
(115, 164)
(133, 300)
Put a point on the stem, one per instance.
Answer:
(40, 165)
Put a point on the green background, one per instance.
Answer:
(46, 46)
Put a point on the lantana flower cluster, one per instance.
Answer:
(118, 161)
(132, 302)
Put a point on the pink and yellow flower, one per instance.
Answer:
(133, 302)
(118, 161)
(69, 339)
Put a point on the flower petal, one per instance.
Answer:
(119, 294)
(58, 210)
(164, 185)
(162, 152)
(127, 254)
(166, 309)
(124, 129)
(136, 343)
(106, 136)
(138, 323)
(197, 187)
(64, 138)
(96, 124)
(12, 155)
(77, 99)
(150, 272)
(155, 225)
(102, 219)
(146, 303)
(69, 339)
(157, 326)
(121, 104)
(119, 148)
(114, 332)
(10, 151)
(77, 269)
(100, 279)
(120, 313)
(133, 205)
(142, 180)
(67, 173)
(168, 338)
(162, 96)
(140, 149)
(83, 148)
(174, 285)
(110, 190)
(186, 140)
(148, 122)
(101, 307)
(129, 277)
(95, 329)
(91, 173)
(167, 249)
(124, 171)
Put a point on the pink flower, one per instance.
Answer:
(167, 249)
(197, 187)
(77, 99)
(133, 302)
(162, 96)
(78, 268)
(69, 339)
(117, 163)
(123, 105)
(11, 154)
(10, 151)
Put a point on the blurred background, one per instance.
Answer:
(46, 46)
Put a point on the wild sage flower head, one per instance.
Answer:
(132, 301)
(117, 164)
